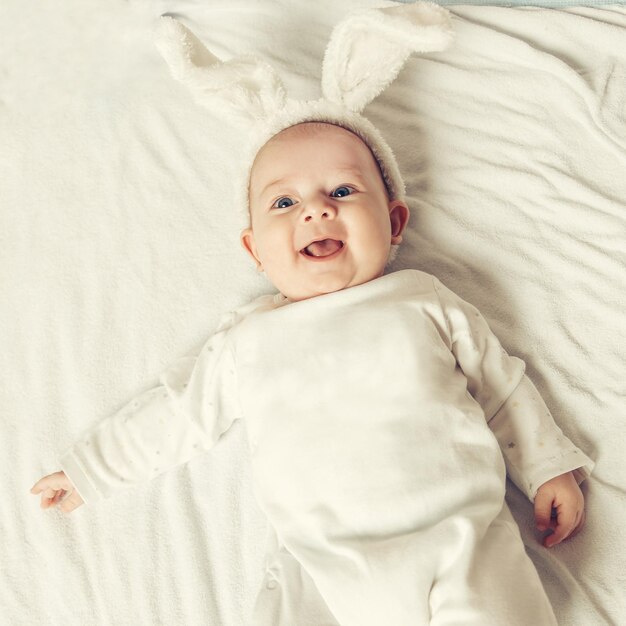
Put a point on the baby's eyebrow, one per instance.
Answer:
(272, 184)
(344, 170)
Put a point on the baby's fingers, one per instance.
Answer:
(71, 502)
(55, 481)
(543, 509)
(51, 497)
(567, 519)
(48, 497)
(54, 489)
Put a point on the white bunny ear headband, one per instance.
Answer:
(365, 53)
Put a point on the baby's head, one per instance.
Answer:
(321, 217)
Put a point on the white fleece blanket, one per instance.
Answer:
(118, 252)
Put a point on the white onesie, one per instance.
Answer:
(380, 419)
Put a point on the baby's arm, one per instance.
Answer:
(535, 450)
(56, 489)
(156, 431)
(159, 429)
(542, 462)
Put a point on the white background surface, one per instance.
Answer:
(119, 250)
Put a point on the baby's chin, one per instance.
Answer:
(323, 285)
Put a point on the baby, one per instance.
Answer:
(381, 415)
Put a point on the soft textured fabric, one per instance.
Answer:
(368, 448)
(119, 252)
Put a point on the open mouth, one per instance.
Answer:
(322, 249)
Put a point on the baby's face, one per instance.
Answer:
(320, 217)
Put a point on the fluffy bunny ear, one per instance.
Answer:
(367, 50)
(244, 87)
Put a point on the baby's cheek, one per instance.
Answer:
(378, 243)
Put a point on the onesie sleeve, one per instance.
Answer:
(163, 427)
(533, 446)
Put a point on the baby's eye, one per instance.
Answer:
(347, 189)
(279, 203)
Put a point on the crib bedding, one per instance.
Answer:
(120, 250)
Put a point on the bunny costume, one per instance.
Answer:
(381, 419)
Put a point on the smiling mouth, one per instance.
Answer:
(322, 249)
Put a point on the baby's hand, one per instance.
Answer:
(57, 489)
(563, 495)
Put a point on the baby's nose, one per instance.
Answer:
(319, 210)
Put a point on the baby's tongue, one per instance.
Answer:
(323, 247)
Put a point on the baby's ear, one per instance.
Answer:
(247, 241)
(399, 217)
(367, 50)
(243, 87)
